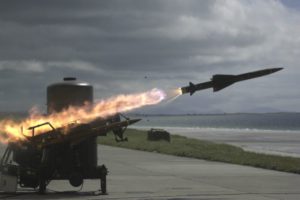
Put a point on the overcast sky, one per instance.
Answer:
(114, 44)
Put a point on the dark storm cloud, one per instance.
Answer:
(115, 44)
(118, 34)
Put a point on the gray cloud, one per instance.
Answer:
(115, 44)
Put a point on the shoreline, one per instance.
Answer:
(273, 142)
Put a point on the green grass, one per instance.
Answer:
(187, 147)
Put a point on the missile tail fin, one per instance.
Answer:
(192, 88)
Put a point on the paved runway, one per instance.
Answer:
(142, 175)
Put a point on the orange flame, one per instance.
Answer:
(10, 131)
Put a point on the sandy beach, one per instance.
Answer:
(285, 143)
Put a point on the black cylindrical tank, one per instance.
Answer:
(71, 92)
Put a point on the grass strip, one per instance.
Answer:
(194, 148)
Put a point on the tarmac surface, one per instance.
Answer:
(142, 175)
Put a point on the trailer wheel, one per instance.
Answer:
(42, 186)
(76, 179)
(103, 184)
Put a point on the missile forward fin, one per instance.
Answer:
(221, 81)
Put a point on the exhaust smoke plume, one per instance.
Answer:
(12, 131)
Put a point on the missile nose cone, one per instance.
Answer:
(277, 69)
(267, 71)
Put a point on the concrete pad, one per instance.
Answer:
(143, 175)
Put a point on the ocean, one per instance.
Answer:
(268, 121)
(272, 133)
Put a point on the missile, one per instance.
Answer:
(221, 81)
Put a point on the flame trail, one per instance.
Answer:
(11, 131)
(172, 94)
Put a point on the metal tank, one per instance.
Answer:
(71, 92)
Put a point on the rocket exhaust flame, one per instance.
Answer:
(172, 94)
(11, 131)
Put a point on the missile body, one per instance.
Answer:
(220, 81)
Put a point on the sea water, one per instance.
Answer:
(268, 121)
(275, 133)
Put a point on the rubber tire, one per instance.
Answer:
(103, 185)
(42, 187)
